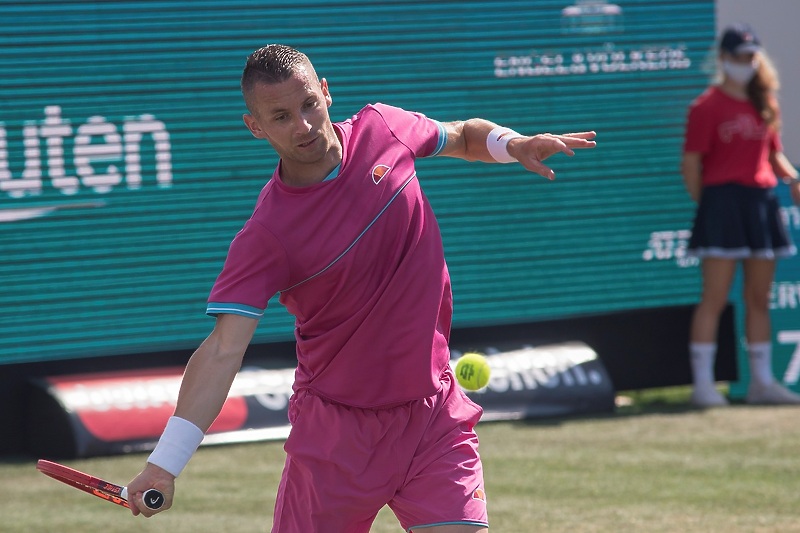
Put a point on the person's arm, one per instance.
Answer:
(204, 389)
(692, 170)
(471, 140)
(784, 169)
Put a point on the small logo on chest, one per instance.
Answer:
(378, 172)
(743, 125)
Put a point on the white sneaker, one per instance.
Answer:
(772, 394)
(705, 397)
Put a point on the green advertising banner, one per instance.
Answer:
(784, 311)
(125, 169)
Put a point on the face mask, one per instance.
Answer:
(741, 74)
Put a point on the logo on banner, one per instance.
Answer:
(596, 17)
(670, 245)
(792, 338)
(103, 156)
(545, 367)
(145, 399)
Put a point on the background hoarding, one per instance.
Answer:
(784, 312)
(125, 169)
(774, 22)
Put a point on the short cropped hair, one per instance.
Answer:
(274, 63)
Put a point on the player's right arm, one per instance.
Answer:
(212, 368)
(204, 389)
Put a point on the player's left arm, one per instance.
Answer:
(784, 169)
(481, 140)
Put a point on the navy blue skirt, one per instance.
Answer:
(738, 222)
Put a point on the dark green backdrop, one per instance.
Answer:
(125, 169)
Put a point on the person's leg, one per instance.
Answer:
(443, 489)
(717, 279)
(338, 471)
(718, 276)
(758, 277)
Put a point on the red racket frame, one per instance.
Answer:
(102, 489)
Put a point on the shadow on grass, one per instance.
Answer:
(663, 401)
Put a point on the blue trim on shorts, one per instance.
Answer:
(220, 308)
(461, 523)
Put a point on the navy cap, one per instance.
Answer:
(739, 39)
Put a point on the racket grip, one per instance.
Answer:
(153, 499)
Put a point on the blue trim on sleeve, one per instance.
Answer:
(442, 138)
(221, 308)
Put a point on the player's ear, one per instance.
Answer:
(252, 125)
(326, 92)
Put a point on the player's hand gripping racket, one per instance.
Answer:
(118, 494)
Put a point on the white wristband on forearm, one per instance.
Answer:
(497, 143)
(176, 446)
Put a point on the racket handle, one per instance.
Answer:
(153, 499)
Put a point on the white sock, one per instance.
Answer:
(701, 357)
(760, 355)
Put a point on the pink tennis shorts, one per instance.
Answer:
(343, 464)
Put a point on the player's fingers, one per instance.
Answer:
(143, 510)
(560, 145)
(579, 143)
(546, 144)
(579, 140)
(540, 168)
(581, 135)
(146, 510)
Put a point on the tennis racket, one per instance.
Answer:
(153, 498)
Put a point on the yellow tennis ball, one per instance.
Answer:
(472, 371)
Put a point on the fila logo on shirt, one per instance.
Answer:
(378, 172)
(743, 125)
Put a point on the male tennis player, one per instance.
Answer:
(344, 233)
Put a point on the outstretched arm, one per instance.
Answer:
(204, 389)
(472, 139)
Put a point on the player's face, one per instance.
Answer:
(293, 117)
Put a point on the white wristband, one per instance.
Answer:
(176, 445)
(497, 142)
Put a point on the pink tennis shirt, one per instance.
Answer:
(358, 261)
